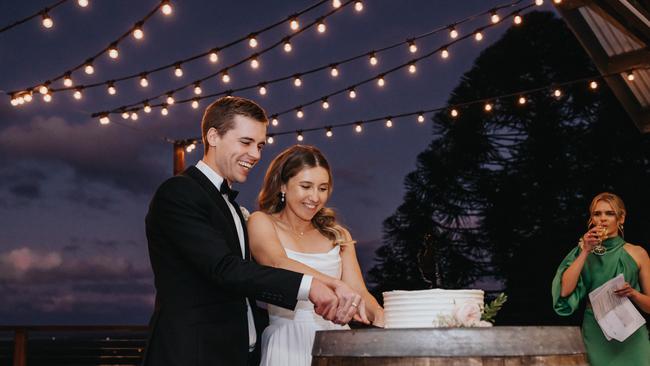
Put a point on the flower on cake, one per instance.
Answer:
(467, 314)
(471, 314)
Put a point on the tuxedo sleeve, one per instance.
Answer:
(183, 218)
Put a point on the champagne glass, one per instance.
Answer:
(600, 249)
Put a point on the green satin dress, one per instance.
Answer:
(597, 270)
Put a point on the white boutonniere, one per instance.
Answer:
(244, 212)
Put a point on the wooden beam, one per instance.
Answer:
(20, 347)
(630, 60)
(179, 157)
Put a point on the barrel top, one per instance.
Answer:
(450, 342)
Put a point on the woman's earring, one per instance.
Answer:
(282, 197)
(620, 228)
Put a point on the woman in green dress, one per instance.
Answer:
(600, 256)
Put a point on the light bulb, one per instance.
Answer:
(557, 93)
(389, 123)
(170, 99)
(358, 6)
(352, 94)
(453, 33)
(43, 89)
(630, 76)
(325, 104)
(111, 89)
(195, 104)
(373, 59)
(593, 85)
(300, 113)
(47, 21)
(214, 56)
(82, 3)
(329, 132)
(413, 48)
(134, 116)
(321, 27)
(125, 115)
(444, 53)
(334, 71)
(539, 2)
(144, 82)
(336, 4)
(495, 18)
(381, 82)
(166, 7)
(77, 94)
(225, 77)
(299, 137)
(287, 46)
(28, 97)
(517, 19)
(47, 97)
(178, 71)
(412, 68)
(89, 69)
(522, 100)
(197, 89)
(104, 120)
(262, 90)
(190, 148)
(420, 118)
(358, 128)
(147, 108)
(487, 107)
(478, 36)
(274, 121)
(67, 80)
(557, 1)
(137, 32)
(113, 52)
(164, 111)
(252, 41)
(270, 139)
(297, 81)
(294, 24)
(255, 63)
(454, 113)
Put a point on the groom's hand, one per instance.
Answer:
(324, 299)
(350, 303)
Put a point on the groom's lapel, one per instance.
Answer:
(217, 198)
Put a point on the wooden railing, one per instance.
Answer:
(95, 339)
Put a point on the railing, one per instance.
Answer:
(71, 344)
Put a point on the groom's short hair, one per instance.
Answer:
(220, 115)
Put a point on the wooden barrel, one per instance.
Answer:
(503, 346)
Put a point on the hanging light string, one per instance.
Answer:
(44, 13)
(264, 84)
(455, 111)
(111, 50)
(176, 64)
(224, 70)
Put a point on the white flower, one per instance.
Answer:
(484, 324)
(244, 212)
(468, 314)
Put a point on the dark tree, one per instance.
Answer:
(504, 195)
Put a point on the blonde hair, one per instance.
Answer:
(614, 200)
(286, 166)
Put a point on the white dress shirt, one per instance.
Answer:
(305, 283)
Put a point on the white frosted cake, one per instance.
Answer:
(426, 308)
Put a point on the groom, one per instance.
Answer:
(206, 282)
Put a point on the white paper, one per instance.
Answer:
(616, 315)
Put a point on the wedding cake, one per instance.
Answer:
(432, 308)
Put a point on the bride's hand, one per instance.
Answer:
(361, 316)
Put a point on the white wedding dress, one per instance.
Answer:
(289, 338)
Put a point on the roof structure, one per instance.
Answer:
(616, 34)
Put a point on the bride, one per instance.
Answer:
(294, 230)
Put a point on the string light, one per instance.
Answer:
(328, 132)
(299, 136)
(373, 59)
(630, 76)
(274, 120)
(82, 3)
(166, 7)
(444, 53)
(539, 2)
(262, 89)
(214, 56)
(380, 81)
(47, 20)
(178, 71)
(389, 122)
(252, 40)
(352, 93)
(517, 19)
(413, 48)
(300, 113)
(44, 89)
(412, 68)
(104, 120)
(164, 111)
(557, 93)
(113, 52)
(557, 1)
(47, 98)
(190, 147)
(454, 113)
(478, 36)
(334, 71)
(138, 33)
(420, 117)
(321, 27)
(125, 115)
(144, 82)
(195, 103)
(522, 100)
(197, 88)
(111, 89)
(225, 77)
(287, 46)
(358, 6)
(170, 99)
(77, 94)
(453, 33)
(336, 4)
(67, 80)
(593, 85)
(358, 127)
(294, 24)
(89, 69)
(134, 116)
(487, 107)
(325, 104)
(270, 140)
(254, 62)
(297, 81)
(28, 97)
(147, 108)
(494, 18)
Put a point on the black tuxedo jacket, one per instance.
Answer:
(201, 279)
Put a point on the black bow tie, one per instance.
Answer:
(225, 189)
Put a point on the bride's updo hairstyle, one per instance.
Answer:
(286, 166)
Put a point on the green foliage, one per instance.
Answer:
(490, 310)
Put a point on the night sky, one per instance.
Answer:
(74, 193)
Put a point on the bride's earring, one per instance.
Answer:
(282, 197)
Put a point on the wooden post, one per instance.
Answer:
(20, 347)
(179, 157)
